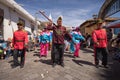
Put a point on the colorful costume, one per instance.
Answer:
(44, 40)
(100, 39)
(58, 44)
(20, 38)
(50, 44)
(72, 47)
(76, 38)
(59, 33)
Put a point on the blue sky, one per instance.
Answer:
(74, 12)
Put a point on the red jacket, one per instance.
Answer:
(99, 36)
(59, 33)
(20, 38)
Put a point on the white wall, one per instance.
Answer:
(14, 15)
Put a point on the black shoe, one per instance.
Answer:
(78, 56)
(105, 66)
(14, 65)
(62, 64)
(58, 63)
(74, 57)
(22, 65)
(97, 66)
(54, 64)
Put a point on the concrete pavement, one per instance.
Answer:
(81, 68)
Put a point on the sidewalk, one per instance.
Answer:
(75, 68)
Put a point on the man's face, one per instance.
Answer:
(20, 27)
(44, 29)
(99, 25)
(50, 24)
(59, 22)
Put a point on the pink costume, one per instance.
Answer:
(44, 40)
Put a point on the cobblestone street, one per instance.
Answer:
(81, 68)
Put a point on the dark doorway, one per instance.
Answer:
(1, 22)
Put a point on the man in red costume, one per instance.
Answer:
(20, 41)
(100, 44)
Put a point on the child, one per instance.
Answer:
(9, 48)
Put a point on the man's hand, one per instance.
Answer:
(12, 48)
(54, 24)
(97, 43)
(26, 45)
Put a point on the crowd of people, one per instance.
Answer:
(58, 40)
(6, 49)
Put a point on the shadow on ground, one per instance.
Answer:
(48, 61)
(113, 72)
(86, 50)
(36, 54)
(80, 62)
(12, 64)
(69, 55)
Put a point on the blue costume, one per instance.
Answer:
(75, 44)
(44, 40)
(77, 37)
(72, 48)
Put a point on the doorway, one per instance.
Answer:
(1, 22)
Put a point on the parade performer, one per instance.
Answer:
(20, 42)
(100, 44)
(59, 33)
(50, 32)
(50, 45)
(77, 38)
(44, 40)
(72, 47)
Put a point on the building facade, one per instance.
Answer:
(11, 13)
(108, 9)
(88, 26)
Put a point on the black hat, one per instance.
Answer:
(100, 21)
(60, 18)
(20, 23)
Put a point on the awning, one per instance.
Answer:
(115, 24)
